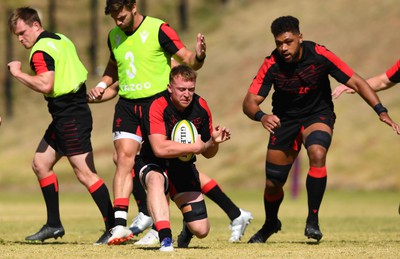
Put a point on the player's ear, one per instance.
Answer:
(300, 38)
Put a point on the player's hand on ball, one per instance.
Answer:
(199, 145)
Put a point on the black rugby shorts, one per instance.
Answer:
(128, 115)
(184, 178)
(288, 136)
(71, 135)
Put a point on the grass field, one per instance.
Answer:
(355, 225)
(359, 216)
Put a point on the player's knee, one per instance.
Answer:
(153, 176)
(40, 168)
(115, 158)
(35, 167)
(124, 157)
(200, 229)
(317, 154)
(276, 174)
(273, 187)
(194, 211)
(155, 183)
(201, 232)
(318, 137)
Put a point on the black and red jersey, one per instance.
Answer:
(160, 117)
(301, 88)
(167, 37)
(393, 73)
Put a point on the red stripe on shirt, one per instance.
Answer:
(172, 35)
(157, 119)
(259, 78)
(393, 70)
(203, 104)
(334, 59)
(39, 63)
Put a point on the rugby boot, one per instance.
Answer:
(312, 231)
(151, 238)
(184, 238)
(140, 223)
(119, 235)
(166, 245)
(238, 225)
(46, 232)
(103, 240)
(265, 232)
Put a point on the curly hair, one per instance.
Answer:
(285, 24)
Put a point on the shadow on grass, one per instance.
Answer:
(38, 243)
(153, 248)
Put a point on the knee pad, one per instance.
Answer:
(156, 168)
(194, 211)
(277, 173)
(319, 137)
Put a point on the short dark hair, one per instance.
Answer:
(116, 5)
(26, 14)
(285, 24)
(185, 72)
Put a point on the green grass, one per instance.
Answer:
(355, 225)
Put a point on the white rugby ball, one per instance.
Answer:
(184, 132)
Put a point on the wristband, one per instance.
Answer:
(200, 60)
(259, 115)
(102, 85)
(379, 108)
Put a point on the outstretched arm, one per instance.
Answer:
(359, 85)
(378, 83)
(195, 60)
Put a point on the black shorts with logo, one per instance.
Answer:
(70, 131)
(288, 136)
(128, 115)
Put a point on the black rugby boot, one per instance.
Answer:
(312, 231)
(265, 232)
(46, 232)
